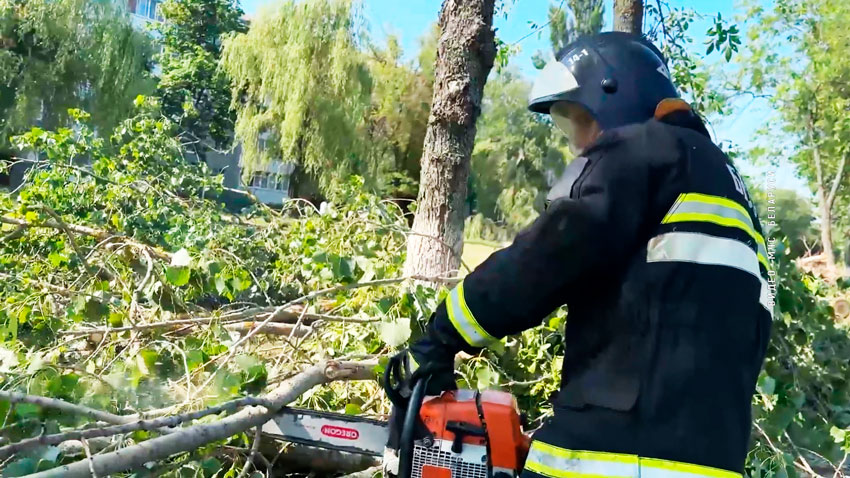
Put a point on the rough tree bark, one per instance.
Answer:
(628, 16)
(465, 55)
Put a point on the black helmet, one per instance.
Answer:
(619, 77)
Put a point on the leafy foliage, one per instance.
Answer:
(802, 405)
(194, 91)
(584, 17)
(168, 250)
(60, 54)
(804, 75)
(364, 114)
(517, 154)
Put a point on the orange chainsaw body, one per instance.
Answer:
(460, 413)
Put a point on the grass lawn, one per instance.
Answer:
(474, 252)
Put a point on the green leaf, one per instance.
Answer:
(24, 466)
(838, 435)
(27, 410)
(178, 276)
(194, 359)
(767, 385)
(353, 409)
(395, 333)
(211, 466)
(485, 378)
(220, 285)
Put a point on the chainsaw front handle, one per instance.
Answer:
(405, 454)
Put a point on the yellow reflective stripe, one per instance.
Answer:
(555, 462)
(719, 220)
(722, 221)
(687, 468)
(715, 200)
(550, 472)
(451, 312)
(470, 317)
(583, 455)
(463, 320)
(720, 202)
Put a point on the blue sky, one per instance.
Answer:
(409, 19)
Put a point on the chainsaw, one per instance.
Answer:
(467, 433)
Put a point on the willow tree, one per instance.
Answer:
(301, 89)
(61, 54)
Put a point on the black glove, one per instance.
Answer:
(424, 360)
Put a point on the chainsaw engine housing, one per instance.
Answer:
(473, 435)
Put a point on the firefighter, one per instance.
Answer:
(652, 241)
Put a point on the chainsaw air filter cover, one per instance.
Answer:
(474, 435)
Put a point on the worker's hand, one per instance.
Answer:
(422, 361)
(433, 360)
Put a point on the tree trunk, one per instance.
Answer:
(826, 227)
(825, 198)
(465, 55)
(628, 16)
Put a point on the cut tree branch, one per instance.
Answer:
(280, 316)
(191, 438)
(61, 405)
(272, 328)
(64, 226)
(98, 234)
(147, 425)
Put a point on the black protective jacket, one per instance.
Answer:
(651, 240)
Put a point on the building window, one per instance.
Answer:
(265, 180)
(147, 8)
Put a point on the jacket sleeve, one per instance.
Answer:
(583, 240)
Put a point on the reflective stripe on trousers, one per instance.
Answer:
(555, 462)
(463, 320)
(701, 248)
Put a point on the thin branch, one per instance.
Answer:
(88, 268)
(88, 457)
(275, 313)
(256, 446)
(191, 438)
(44, 285)
(147, 425)
(98, 234)
(61, 405)
(305, 298)
(288, 330)
(838, 472)
(804, 462)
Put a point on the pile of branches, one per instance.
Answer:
(147, 326)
